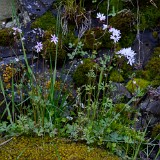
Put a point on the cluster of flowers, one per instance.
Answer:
(115, 33)
(115, 36)
(129, 54)
(16, 30)
(39, 46)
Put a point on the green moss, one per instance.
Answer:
(149, 17)
(156, 132)
(45, 148)
(46, 22)
(142, 74)
(136, 83)
(97, 38)
(115, 76)
(6, 37)
(80, 78)
(156, 52)
(70, 38)
(151, 71)
(125, 112)
(156, 81)
(50, 52)
(155, 34)
(153, 67)
(124, 22)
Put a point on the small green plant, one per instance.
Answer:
(80, 75)
(78, 51)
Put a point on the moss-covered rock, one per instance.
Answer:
(96, 38)
(46, 22)
(149, 17)
(70, 38)
(144, 74)
(136, 83)
(153, 67)
(116, 76)
(156, 132)
(38, 148)
(125, 23)
(156, 81)
(155, 34)
(79, 76)
(156, 52)
(50, 52)
(6, 37)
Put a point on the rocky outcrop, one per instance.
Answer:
(35, 8)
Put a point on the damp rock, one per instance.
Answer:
(32, 37)
(143, 46)
(120, 92)
(6, 9)
(35, 8)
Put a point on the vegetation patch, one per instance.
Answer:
(48, 149)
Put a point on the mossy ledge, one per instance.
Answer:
(46, 148)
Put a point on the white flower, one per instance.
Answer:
(128, 53)
(134, 82)
(105, 26)
(101, 16)
(23, 38)
(17, 59)
(54, 39)
(16, 30)
(69, 118)
(115, 34)
(39, 47)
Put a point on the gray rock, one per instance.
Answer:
(6, 52)
(11, 24)
(35, 8)
(143, 46)
(32, 37)
(152, 107)
(120, 92)
(13, 59)
(6, 9)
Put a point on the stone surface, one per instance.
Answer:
(120, 92)
(152, 107)
(6, 10)
(35, 8)
(32, 37)
(143, 46)
(9, 52)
